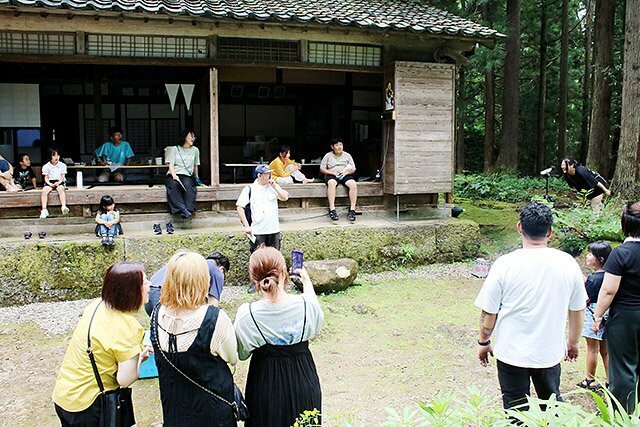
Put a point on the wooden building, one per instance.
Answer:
(246, 76)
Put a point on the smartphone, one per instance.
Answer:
(296, 259)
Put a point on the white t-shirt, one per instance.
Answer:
(532, 291)
(264, 208)
(54, 172)
(281, 324)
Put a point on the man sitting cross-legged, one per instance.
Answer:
(338, 168)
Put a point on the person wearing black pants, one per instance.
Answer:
(514, 383)
(182, 178)
(621, 291)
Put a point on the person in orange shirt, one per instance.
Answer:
(285, 170)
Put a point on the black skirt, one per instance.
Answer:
(282, 383)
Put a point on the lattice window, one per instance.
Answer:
(139, 135)
(344, 54)
(167, 132)
(89, 134)
(243, 49)
(147, 46)
(37, 43)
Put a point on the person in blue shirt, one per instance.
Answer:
(114, 153)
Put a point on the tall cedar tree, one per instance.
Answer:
(599, 157)
(489, 102)
(626, 181)
(564, 84)
(508, 157)
(586, 83)
(542, 87)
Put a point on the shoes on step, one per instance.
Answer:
(42, 234)
(185, 214)
(103, 241)
(44, 213)
(156, 229)
(351, 215)
(27, 235)
(170, 228)
(333, 215)
(110, 241)
(65, 210)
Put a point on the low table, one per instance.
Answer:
(152, 168)
(253, 165)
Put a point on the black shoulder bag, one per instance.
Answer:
(116, 406)
(238, 406)
(247, 207)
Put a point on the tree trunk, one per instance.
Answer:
(599, 157)
(508, 157)
(489, 118)
(564, 85)
(626, 181)
(461, 119)
(489, 103)
(542, 87)
(586, 84)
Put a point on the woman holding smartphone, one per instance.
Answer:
(275, 330)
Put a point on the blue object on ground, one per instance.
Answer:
(148, 368)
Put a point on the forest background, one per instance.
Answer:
(565, 81)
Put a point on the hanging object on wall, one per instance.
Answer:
(187, 91)
(389, 98)
(172, 90)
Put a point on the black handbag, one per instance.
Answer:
(116, 406)
(238, 406)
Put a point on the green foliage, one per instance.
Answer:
(578, 226)
(308, 419)
(503, 187)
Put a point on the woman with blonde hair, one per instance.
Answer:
(282, 381)
(194, 342)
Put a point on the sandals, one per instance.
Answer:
(588, 384)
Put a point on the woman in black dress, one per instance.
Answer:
(580, 178)
(194, 343)
(275, 331)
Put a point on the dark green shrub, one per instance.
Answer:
(503, 187)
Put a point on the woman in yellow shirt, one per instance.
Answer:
(286, 170)
(116, 341)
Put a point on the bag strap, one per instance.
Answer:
(90, 352)
(182, 158)
(304, 324)
(154, 324)
(249, 187)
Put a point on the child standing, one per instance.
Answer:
(597, 255)
(54, 173)
(23, 174)
(108, 221)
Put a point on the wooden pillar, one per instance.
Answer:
(214, 155)
(97, 108)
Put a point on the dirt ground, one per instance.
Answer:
(387, 342)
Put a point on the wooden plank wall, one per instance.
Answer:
(422, 156)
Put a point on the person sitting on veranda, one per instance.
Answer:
(285, 170)
(6, 176)
(338, 167)
(114, 153)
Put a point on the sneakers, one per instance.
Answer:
(110, 241)
(170, 228)
(27, 235)
(156, 229)
(42, 234)
(185, 214)
(104, 241)
(333, 215)
(65, 210)
(44, 213)
(351, 215)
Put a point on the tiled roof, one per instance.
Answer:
(393, 15)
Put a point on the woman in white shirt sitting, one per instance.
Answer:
(194, 343)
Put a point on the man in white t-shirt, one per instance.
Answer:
(263, 195)
(525, 301)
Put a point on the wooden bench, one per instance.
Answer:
(143, 194)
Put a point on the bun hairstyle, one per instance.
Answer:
(267, 268)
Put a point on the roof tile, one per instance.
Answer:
(398, 15)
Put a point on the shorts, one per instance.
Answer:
(342, 181)
(53, 181)
(587, 326)
(596, 191)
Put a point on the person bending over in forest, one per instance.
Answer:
(580, 178)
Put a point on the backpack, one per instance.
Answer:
(247, 208)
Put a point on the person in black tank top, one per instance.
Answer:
(196, 384)
(581, 178)
(282, 381)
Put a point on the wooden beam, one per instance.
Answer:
(214, 156)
